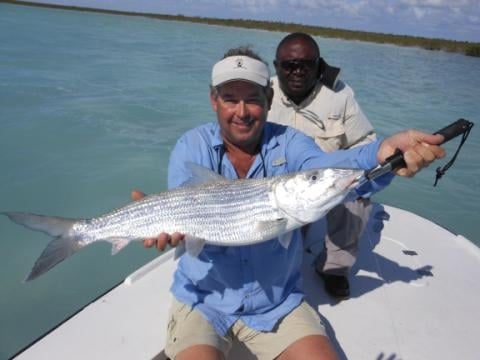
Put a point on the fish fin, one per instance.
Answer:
(201, 175)
(285, 239)
(179, 250)
(118, 244)
(50, 225)
(272, 227)
(56, 251)
(62, 246)
(193, 245)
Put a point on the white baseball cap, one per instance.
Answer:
(240, 67)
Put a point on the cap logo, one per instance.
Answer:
(239, 62)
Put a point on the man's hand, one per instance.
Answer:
(419, 150)
(162, 240)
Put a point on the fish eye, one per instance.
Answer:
(313, 177)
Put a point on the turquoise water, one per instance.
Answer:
(91, 104)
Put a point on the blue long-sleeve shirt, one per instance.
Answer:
(259, 283)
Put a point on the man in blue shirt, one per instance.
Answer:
(253, 293)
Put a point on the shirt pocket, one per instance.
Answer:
(334, 134)
(334, 126)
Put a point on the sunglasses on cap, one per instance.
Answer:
(292, 65)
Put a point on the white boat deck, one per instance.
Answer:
(415, 295)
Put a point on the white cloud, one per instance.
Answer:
(419, 12)
(430, 18)
(254, 5)
(340, 7)
(474, 19)
(438, 3)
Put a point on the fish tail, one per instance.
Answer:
(62, 246)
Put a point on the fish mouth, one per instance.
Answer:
(349, 183)
(356, 180)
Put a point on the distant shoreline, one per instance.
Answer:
(463, 47)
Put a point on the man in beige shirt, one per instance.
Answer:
(308, 97)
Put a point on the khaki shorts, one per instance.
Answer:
(187, 327)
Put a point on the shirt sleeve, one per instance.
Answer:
(177, 172)
(358, 129)
(303, 154)
(192, 147)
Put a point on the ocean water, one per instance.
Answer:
(91, 104)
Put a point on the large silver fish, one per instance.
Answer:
(209, 209)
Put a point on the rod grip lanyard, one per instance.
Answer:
(461, 126)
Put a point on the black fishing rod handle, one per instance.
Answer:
(396, 160)
(449, 132)
(453, 130)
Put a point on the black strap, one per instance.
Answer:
(221, 153)
(442, 170)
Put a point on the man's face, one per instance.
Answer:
(241, 109)
(297, 68)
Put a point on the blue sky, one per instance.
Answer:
(447, 19)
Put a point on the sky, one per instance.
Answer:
(445, 19)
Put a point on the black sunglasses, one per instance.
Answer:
(292, 65)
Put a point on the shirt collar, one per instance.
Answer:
(268, 140)
(217, 140)
(286, 100)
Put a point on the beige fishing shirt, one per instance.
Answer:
(332, 117)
